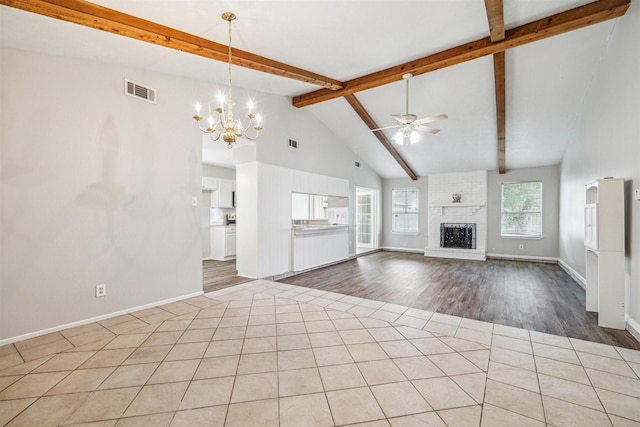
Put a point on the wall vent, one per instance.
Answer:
(357, 164)
(293, 143)
(139, 91)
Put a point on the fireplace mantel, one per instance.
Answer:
(471, 207)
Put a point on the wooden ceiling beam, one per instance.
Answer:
(573, 19)
(499, 76)
(495, 16)
(364, 115)
(112, 21)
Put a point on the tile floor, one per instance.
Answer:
(271, 354)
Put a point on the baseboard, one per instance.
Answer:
(394, 249)
(531, 258)
(633, 327)
(571, 272)
(95, 319)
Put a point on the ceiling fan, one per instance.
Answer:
(409, 124)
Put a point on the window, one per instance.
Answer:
(405, 210)
(521, 209)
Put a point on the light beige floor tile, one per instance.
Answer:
(187, 351)
(224, 348)
(8, 380)
(473, 384)
(413, 322)
(629, 355)
(493, 416)
(148, 355)
(214, 367)
(263, 309)
(564, 414)
(174, 325)
(555, 353)
(32, 385)
(420, 314)
(459, 344)
(255, 387)
(387, 316)
(569, 391)
(324, 339)
(394, 308)
(308, 410)
(319, 326)
(227, 322)
(10, 408)
(287, 308)
(196, 335)
(612, 382)
(163, 338)
(354, 405)
(513, 399)
(8, 349)
(523, 346)
(513, 358)
(614, 366)
(64, 362)
(310, 316)
(299, 381)
(403, 348)
(356, 336)
(174, 371)
(440, 329)
(120, 328)
(296, 359)
(453, 364)
(620, 404)
(443, 393)
(288, 317)
(446, 318)
(431, 346)
(127, 341)
(234, 332)
(595, 348)
(380, 372)
(475, 336)
(155, 420)
(468, 416)
(209, 392)
(38, 341)
(480, 358)
(510, 331)
(260, 413)
(371, 303)
(24, 368)
(293, 342)
(82, 380)
(567, 371)
(263, 319)
(261, 331)
(623, 422)
(371, 323)
(292, 328)
(105, 358)
(43, 350)
(259, 345)
(635, 367)
(477, 325)
(204, 323)
(157, 398)
(359, 310)
(410, 333)
(418, 367)
(129, 376)
(425, 419)
(104, 405)
(385, 334)
(549, 339)
(10, 360)
(332, 355)
(338, 377)
(258, 362)
(50, 410)
(201, 417)
(378, 423)
(399, 399)
(522, 378)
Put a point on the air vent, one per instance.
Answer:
(357, 164)
(139, 91)
(293, 143)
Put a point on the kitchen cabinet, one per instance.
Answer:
(209, 183)
(223, 196)
(223, 242)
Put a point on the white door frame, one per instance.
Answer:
(373, 215)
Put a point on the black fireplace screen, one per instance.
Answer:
(458, 236)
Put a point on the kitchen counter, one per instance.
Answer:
(313, 229)
(314, 245)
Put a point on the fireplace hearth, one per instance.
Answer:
(458, 235)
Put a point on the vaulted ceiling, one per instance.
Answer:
(510, 76)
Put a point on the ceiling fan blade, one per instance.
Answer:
(398, 117)
(427, 129)
(386, 127)
(431, 119)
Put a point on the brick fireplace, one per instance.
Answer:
(457, 229)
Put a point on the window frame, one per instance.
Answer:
(512, 235)
(406, 190)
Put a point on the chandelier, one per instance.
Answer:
(226, 126)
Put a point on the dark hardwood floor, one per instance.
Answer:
(220, 274)
(536, 296)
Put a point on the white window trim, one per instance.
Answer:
(523, 236)
(407, 233)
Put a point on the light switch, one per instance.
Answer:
(194, 201)
(636, 194)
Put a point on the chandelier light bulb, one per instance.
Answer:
(414, 137)
(198, 108)
(398, 138)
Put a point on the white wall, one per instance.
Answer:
(95, 187)
(405, 241)
(606, 142)
(547, 247)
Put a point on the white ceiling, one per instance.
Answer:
(343, 39)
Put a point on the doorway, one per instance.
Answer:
(366, 236)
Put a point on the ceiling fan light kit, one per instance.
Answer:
(409, 124)
(229, 128)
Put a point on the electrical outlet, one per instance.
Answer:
(101, 290)
(636, 194)
(521, 246)
(194, 201)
